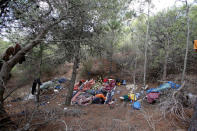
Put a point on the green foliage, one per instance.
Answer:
(86, 67)
(102, 29)
(3, 46)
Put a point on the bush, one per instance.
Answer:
(86, 67)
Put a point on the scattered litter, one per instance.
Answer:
(145, 88)
(43, 104)
(46, 85)
(130, 86)
(137, 95)
(105, 80)
(47, 97)
(8, 105)
(58, 87)
(136, 105)
(118, 92)
(123, 82)
(23, 112)
(111, 104)
(16, 100)
(174, 85)
(132, 97)
(62, 80)
(164, 87)
(151, 97)
(125, 98)
(118, 83)
(56, 91)
(84, 85)
(29, 97)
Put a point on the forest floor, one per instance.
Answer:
(53, 115)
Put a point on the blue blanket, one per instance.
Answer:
(164, 86)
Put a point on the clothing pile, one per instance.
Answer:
(90, 92)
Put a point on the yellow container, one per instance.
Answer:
(132, 97)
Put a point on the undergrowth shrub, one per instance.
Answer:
(26, 72)
(86, 67)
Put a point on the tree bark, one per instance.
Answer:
(134, 73)
(40, 73)
(5, 121)
(74, 75)
(111, 52)
(146, 44)
(187, 43)
(110, 61)
(166, 60)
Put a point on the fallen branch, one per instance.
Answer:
(173, 106)
(175, 92)
(10, 93)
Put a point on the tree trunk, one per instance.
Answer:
(193, 124)
(110, 61)
(146, 45)
(7, 67)
(111, 52)
(5, 121)
(187, 44)
(40, 73)
(166, 60)
(38, 95)
(74, 74)
(134, 73)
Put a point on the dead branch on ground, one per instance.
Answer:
(173, 105)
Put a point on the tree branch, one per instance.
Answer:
(13, 61)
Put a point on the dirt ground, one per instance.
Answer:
(53, 115)
(93, 117)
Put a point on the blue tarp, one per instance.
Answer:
(136, 105)
(164, 86)
(62, 80)
(174, 85)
